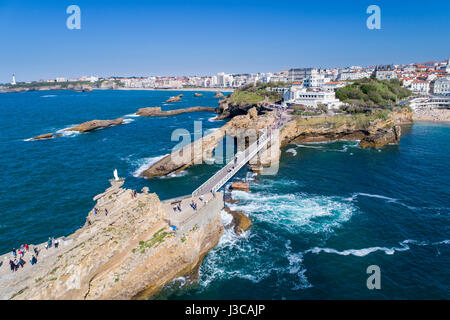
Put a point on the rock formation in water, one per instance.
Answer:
(218, 95)
(239, 185)
(174, 98)
(127, 252)
(46, 136)
(197, 94)
(241, 222)
(95, 124)
(157, 112)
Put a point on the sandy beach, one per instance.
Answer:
(437, 115)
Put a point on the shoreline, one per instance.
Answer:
(423, 119)
(199, 89)
(173, 89)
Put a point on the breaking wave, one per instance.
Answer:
(145, 163)
(293, 151)
(295, 211)
(404, 246)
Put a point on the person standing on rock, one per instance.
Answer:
(106, 212)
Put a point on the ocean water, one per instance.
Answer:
(332, 210)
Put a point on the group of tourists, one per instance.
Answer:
(51, 242)
(194, 205)
(18, 261)
(177, 207)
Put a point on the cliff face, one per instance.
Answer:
(127, 252)
(374, 135)
(229, 109)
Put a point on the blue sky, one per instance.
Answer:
(204, 37)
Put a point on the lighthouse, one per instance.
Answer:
(13, 82)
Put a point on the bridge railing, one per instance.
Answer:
(215, 182)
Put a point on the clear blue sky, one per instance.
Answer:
(204, 37)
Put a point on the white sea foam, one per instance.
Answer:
(131, 115)
(226, 218)
(182, 173)
(212, 119)
(295, 212)
(48, 96)
(293, 151)
(145, 163)
(404, 246)
(68, 133)
(126, 121)
(377, 196)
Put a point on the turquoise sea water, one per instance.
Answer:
(331, 211)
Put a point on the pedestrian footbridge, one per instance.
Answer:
(221, 177)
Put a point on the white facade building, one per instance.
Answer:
(315, 80)
(442, 86)
(299, 95)
(13, 82)
(420, 86)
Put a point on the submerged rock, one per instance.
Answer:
(218, 95)
(197, 94)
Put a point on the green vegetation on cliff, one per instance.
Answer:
(372, 93)
(253, 94)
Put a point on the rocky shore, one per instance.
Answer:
(125, 250)
(157, 112)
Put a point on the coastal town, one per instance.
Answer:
(311, 87)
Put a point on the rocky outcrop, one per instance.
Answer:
(95, 124)
(379, 133)
(202, 149)
(382, 138)
(126, 250)
(402, 116)
(218, 95)
(228, 109)
(157, 112)
(45, 136)
(197, 94)
(174, 98)
(239, 185)
(240, 221)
